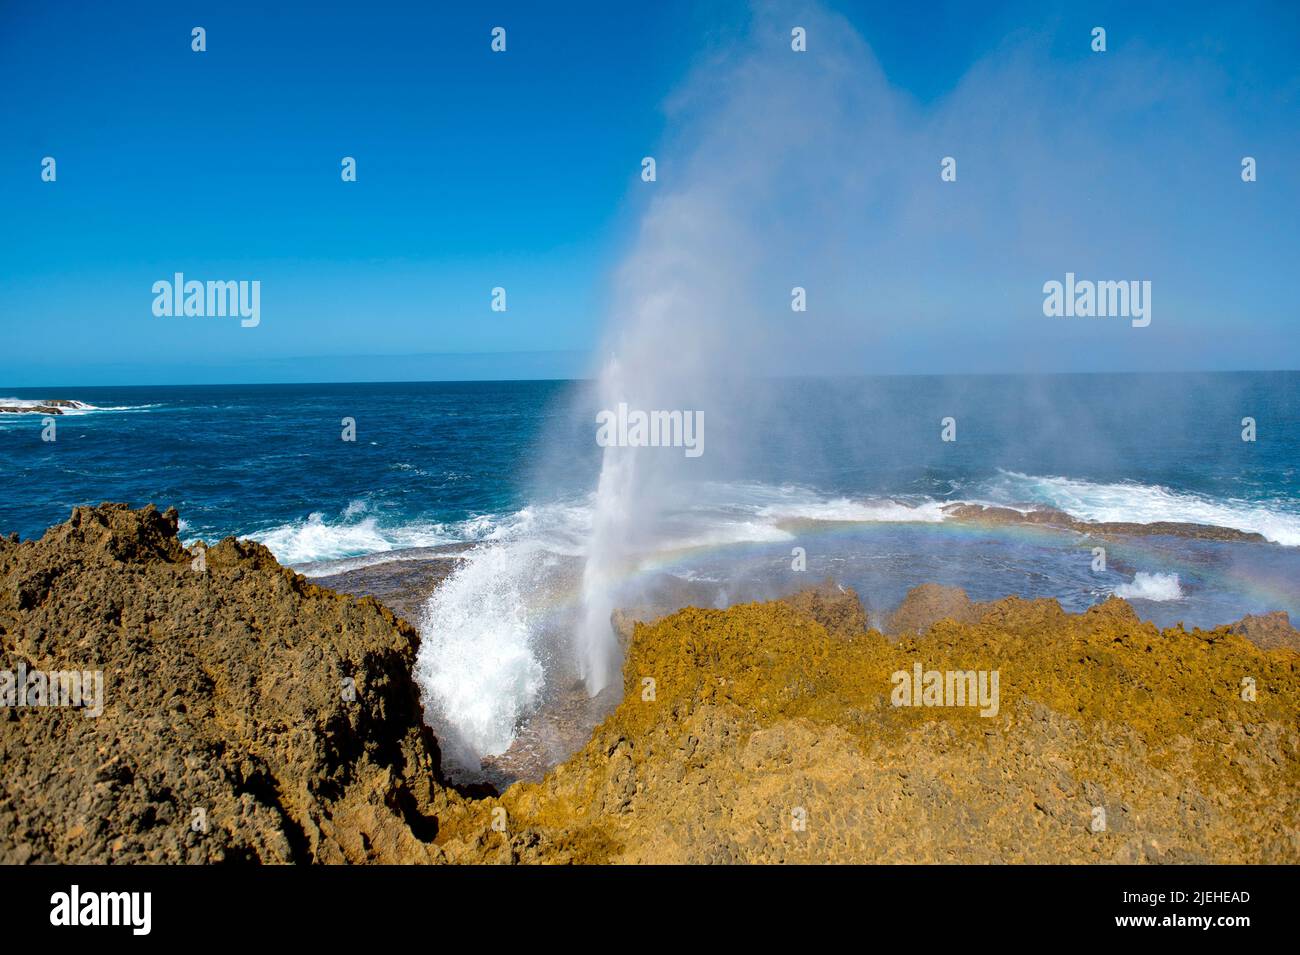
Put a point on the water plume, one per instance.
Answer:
(702, 304)
(789, 170)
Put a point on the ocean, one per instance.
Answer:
(855, 476)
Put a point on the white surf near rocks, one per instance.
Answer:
(1151, 587)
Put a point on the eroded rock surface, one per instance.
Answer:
(770, 738)
(224, 707)
(762, 733)
(926, 605)
(1268, 630)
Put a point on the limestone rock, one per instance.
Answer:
(224, 707)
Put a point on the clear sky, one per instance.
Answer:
(521, 170)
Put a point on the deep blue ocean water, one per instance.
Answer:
(438, 463)
(851, 472)
(432, 459)
(253, 458)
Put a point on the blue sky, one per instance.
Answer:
(521, 170)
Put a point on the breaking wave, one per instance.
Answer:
(1277, 521)
(1151, 587)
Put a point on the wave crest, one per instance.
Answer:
(1147, 504)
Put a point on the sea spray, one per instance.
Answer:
(488, 632)
(762, 185)
(606, 562)
(760, 140)
(478, 666)
(596, 649)
(786, 170)
(1151, 587)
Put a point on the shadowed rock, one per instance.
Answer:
(225, 707)
(1269, 630)
(927, 604)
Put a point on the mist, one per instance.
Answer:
(808, 177)
(808, 170)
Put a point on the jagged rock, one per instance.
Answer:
(1269, 630)
(30, 409)
(771, 734)
(223, 693)
(926, 605)
(772, 739)
(835, 607)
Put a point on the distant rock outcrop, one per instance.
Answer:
(1047, 516)
(50, 406)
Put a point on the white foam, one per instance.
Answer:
(756, 510)
(72, 410)
(354, 508)
(326, 568)
(357, 532)
(1156, 587)
(477, 665)
(1149, 503)
(724, 514)
(857, 511)
(316, 539)
(720, 533)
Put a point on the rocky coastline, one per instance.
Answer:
(253, 715)
(48, 406)
(1051, 517)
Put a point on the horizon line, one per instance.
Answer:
(837, 376)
